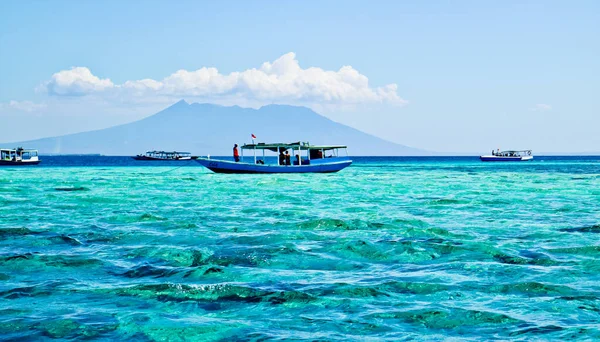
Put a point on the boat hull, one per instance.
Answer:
(18, 163)
(322, 166)
(505, 159)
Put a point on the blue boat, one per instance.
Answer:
(308, 159)
(508, 156)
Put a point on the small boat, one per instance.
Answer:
(511, 156)
(163, 155)
(18, 157)
(308, 159)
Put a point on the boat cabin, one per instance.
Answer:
(292, 154)
(164, 155)
(18, 155)
(522, 153)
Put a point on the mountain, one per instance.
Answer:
(212, 129)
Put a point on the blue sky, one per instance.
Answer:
(469, 76)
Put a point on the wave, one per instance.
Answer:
(339, 224)
(150, 217)
(54, 260)
(83, 326)
(447, 318)
(129, 218)
(538, 259)
(447, 201)
(386, 289)
(585, 229)
(43, 289)
(581, 250)
(547, 329)
(214, 292)
(533, 289)
(74, 188)
(170, 255)
(14, 232)
(65, 239)
(147, 270)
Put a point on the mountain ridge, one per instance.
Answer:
(203, 128)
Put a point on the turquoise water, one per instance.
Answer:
(392, 248)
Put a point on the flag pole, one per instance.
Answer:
(254, 148)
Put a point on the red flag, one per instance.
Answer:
(253, 136)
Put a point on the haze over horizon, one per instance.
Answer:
(454, 77)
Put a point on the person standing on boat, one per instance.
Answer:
(281, 157)
(236, 154)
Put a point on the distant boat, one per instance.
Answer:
(163, 155)
(316, 159)
(508, 156)
(18, 157)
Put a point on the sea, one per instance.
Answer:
(388, 249)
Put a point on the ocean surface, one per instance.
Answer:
(108, 248)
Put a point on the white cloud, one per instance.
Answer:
(23, 106)
(541, 107)
(282, 81)
(77, 81)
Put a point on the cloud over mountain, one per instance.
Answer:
(282, 81)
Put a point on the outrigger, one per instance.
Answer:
(18, 157)
(307, 159)
(523, 155)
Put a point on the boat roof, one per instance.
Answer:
(515, 151)
(18, 149)
(294, 145)
(168, 152)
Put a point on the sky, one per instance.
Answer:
(445, 76)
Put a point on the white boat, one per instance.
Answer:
(163, 155)
(510, 156)
(18, 156)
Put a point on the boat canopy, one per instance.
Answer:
(304, 146)
(167, 153)
(511, 153)
(18, 150)
(516, 151)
